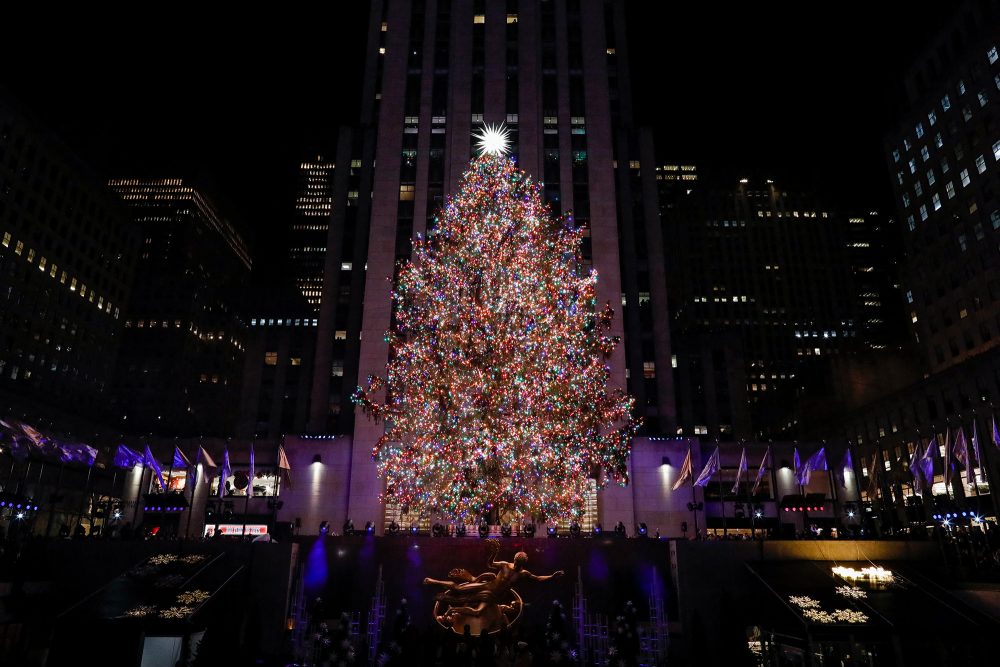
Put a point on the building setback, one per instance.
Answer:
(182, 354)
(66, 265)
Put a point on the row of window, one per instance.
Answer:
(946, 105)
(52, 269)
(281, 321)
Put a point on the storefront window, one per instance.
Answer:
(265, 483)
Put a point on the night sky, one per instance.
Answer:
(237, 102)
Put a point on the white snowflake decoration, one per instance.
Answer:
(851, 592)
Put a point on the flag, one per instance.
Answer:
(226, 472)
(927, 463)
(251, 475)
(873, 479)
(204, 457)
(796, 463)
(961, 448)
(996, 433)
(846, 466)
(711, 467)
(180, 461)
(127, 458)
(762, 470)
(976, 451)
(739, 471)
(815, 462)
(915, 470)
(283, 466)
(150, 462)
(947, 461)
(685, 472)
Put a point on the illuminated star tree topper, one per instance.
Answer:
(496, 396)
(492, 140)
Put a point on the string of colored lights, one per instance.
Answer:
(496, 391)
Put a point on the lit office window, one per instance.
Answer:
(945, 103)
(479, 19)
(930, 177)
(949, 189)
(965, 177)
(923, 212)
(271, 358)
(996, 151)
(913, 166)
(992, 55)
(938, 140)
(944, 165)
(936, 201)
(895, 155)
(918, 188)
(911, 223)
(932, 117)
(925, 154)
(6, 239)
(920, 130)
(980, 164)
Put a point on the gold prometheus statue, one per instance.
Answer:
(487, 603)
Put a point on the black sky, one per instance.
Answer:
(803, 91)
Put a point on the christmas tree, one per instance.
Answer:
(496, 392)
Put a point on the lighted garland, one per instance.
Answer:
(496, 391)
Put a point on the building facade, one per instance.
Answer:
(182, 354)
(944, 157)
(762, 282)
(278, 364)
(67, 257)
(311, 227)
(555, 73)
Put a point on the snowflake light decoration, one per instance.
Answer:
(851, 592)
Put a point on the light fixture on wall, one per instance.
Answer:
(665, 461)
(317, 458)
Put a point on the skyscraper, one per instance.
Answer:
(66, 266)
(762, 286)
(556, 74)
(182, 355)
(310, 227)
(944, 157)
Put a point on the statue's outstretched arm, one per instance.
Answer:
(438, 582)
(544, 577)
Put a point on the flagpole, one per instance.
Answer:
(138, 491)
(250, 472)
(194, 490)
(985, 465)
(170, 470)
(722, 492)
